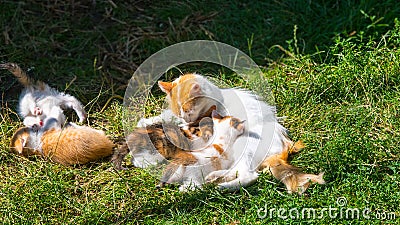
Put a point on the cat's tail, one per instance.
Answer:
(22, 77)
(319, 178)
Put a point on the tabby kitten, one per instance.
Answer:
(159, 142)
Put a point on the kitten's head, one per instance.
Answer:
(228, 126)
(20, 141)
(189, 96)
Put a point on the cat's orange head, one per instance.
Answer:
(186, 96)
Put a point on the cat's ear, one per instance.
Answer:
(195, 90)
(237, 124)
(19, 140)
(209, 111)
(216, 115)
(22, 144)
(18, 145)
(165, 86)
(213, 107)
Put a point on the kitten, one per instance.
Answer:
(68, 146)
(38, 99)
(292, 177)
(190, 95)
(191, 167)
(151, 145)
(159, 142)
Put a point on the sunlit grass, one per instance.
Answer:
(335, 77)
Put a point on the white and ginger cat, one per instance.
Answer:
(38, 99)
(291, 176)
(190, 168)
(190, 95)
(70, 145)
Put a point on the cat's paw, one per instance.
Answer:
(186, 188)
(216, 177)
(189, 186)
(211, 179)
(146, 122)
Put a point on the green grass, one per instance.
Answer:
(333, 67)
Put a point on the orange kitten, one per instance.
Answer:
(69, 146)
(292, 177)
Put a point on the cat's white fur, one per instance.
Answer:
(263, 136)
(166, 116)
(36, 104)
(38, 100)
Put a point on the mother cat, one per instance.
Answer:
(191, 95)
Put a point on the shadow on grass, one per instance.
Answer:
(183, 203)
(101, 43)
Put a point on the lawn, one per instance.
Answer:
(333, 69)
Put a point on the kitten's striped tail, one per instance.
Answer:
(22, 77)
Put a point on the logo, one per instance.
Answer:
(340, 211)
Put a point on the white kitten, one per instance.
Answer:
(38, 100)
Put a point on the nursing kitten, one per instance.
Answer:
(150, 145)
(190, 168)
(68, 146)
(37, 100)
(159, 142)
(190, 95)
(292, 177)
